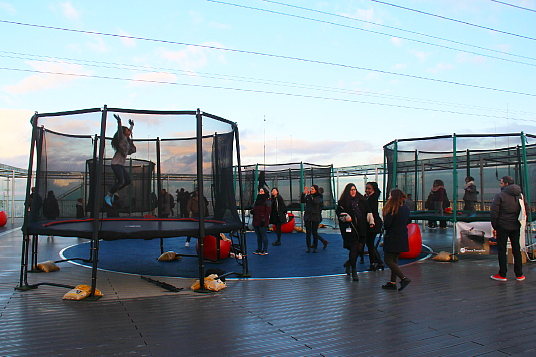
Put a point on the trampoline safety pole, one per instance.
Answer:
(200, 202)
(395, 162)
(302, 187)
(97, 204)
(454, 192)
(25, 237)
(527, 187)
(242, 234)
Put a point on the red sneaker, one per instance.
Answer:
(520, 278)
(498, 277)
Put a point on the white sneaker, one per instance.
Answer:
(187, 244)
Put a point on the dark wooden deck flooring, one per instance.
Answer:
(450, 309)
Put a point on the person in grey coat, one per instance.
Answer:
(504, 213)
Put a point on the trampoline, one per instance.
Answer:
(132, 228)
(413, 164)
(71, 155)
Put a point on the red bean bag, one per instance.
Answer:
(289, 226)
(3, 218)
(210, 249)
(415, 242)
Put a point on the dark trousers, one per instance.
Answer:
(469, 206)
(122, 177)
(312, 228)
(374, 256)
(502, 239)
(277, 229)
(391, 260)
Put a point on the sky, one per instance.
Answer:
(323, 82)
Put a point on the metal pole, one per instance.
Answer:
(245, 266)
(97, 202)
(528, 229)
(201, 202)
(455, 193)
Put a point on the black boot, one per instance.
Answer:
(354, 274)
(347, 266)
(277, 242)
(372, 267)
(308, 249)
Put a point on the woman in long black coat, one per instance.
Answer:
(355, 217)
(395, 239)
(312, 217)
(278, 217)
(372, 194)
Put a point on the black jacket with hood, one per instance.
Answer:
(505, 208)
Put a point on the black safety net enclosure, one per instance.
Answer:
(415, 164)
(290, 179)
(72, 155)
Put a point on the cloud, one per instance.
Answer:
(465, 57)
(192, 57)
(400, 66)
(17, 138)
(98, 45)
(296, 150)
(421, 55)
(440, 67)
(45, 81)
(8, 8)
(155, 77)
(127, 42)
(396, 41)
(218, 26)
(69, 11)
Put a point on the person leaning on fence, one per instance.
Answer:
(506, 210)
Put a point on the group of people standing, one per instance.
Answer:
(360, 223)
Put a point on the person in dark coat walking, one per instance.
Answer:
(278, 216)
(469, 196)
(395, 239)
(261, 220)
(80, 208)
(355, 218)
(312, 217)
(505, 211)
(372, 194)
(51, 208)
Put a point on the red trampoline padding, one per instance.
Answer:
(289, 226)
(415, 242)
(3, 218)
(210, 249)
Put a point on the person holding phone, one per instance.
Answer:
(312, 217)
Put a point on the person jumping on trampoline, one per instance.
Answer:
(123, 146)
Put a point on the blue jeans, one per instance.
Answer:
(122, 177)
(262, 239)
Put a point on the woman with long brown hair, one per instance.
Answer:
(395, 240)
(355, 217)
